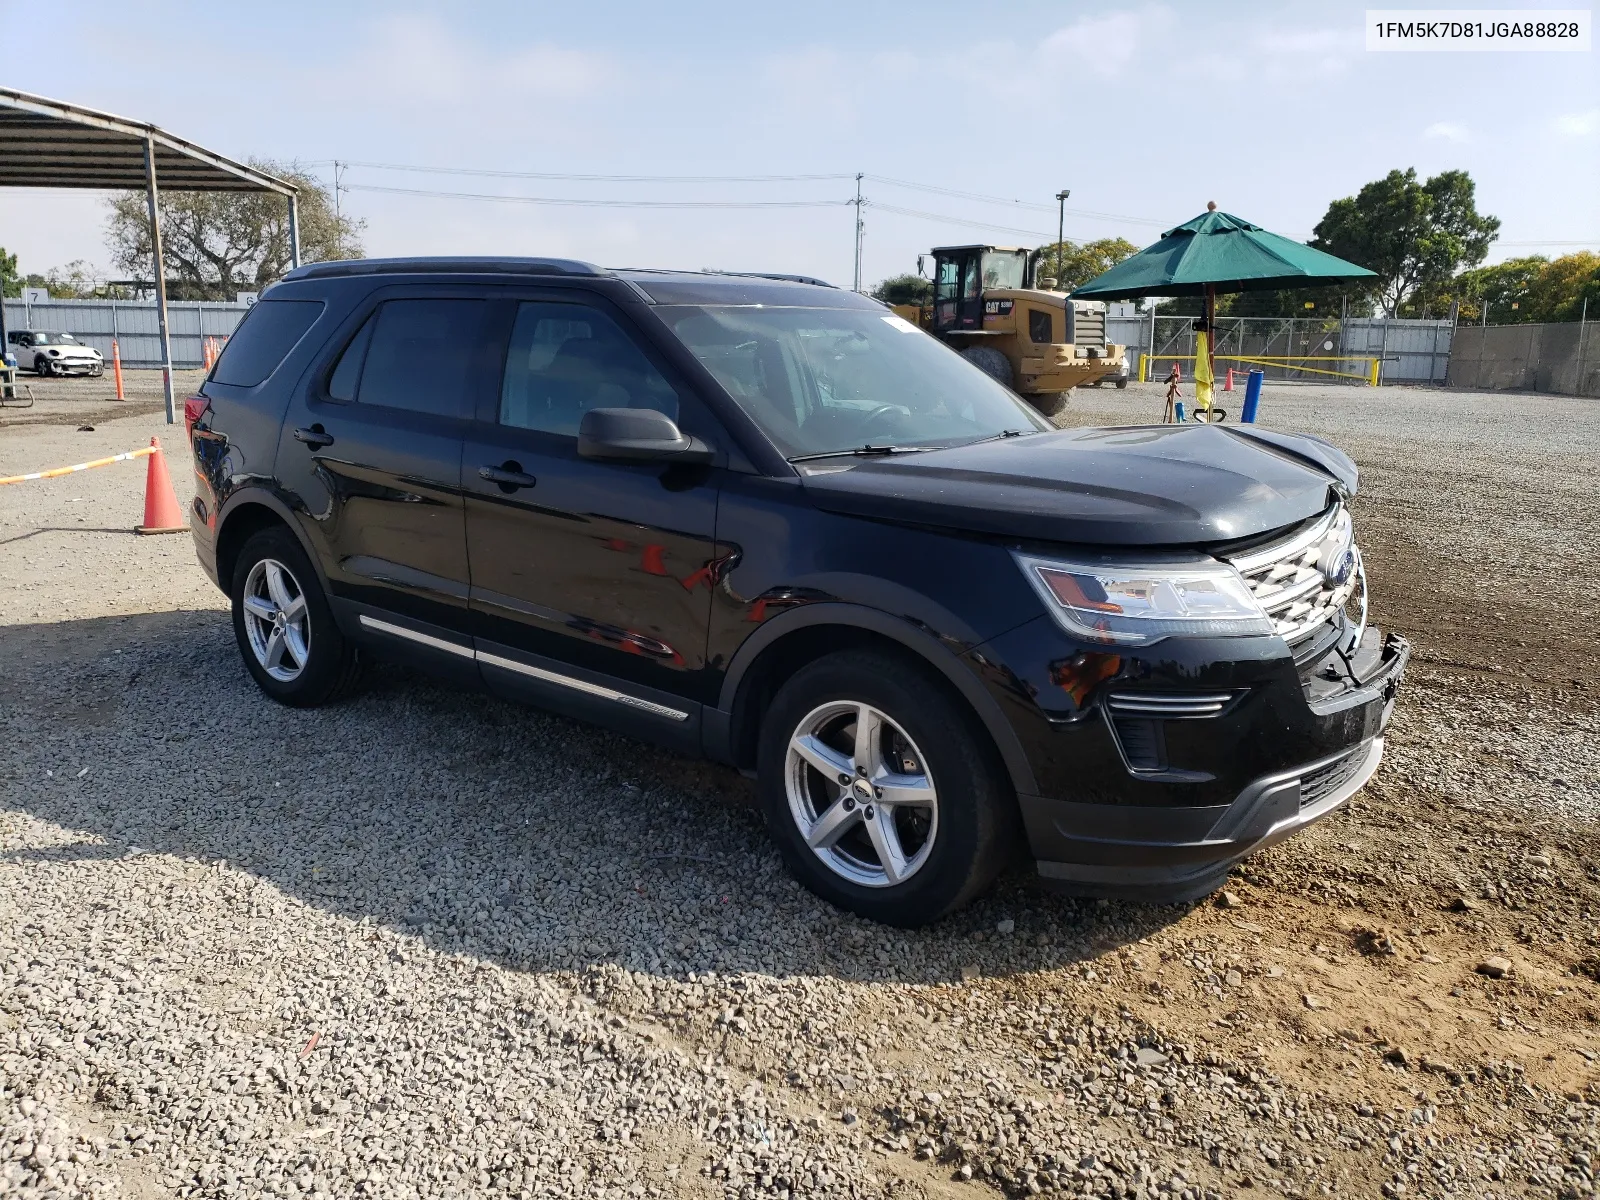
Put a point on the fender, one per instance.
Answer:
(270, 499)
(718, 722)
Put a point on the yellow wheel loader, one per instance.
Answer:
(1037, 342)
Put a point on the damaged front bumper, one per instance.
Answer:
(1175, 854)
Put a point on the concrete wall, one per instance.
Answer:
(1530, 358)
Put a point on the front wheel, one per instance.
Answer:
(991, 362)
(881, 795)
(285, 629)
(1051, 404)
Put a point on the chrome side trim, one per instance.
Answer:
(582, 685)
(507, 664)
(413, 635)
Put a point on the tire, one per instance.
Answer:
(96, 371)
(41, 367)
(949, 853)
(991, 362)
(1051, 404)
(1122, 384)
(314, 664)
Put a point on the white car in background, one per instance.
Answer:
(50, 352)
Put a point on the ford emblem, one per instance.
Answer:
(1339, 567)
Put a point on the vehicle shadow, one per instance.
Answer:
(482, 827)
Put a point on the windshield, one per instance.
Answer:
(820, 380)
(54, 339)
(1003, 268)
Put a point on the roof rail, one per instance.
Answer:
(445, 265)
(811, 279)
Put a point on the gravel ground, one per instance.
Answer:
(428, 944)
(79, 398)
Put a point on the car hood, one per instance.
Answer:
(68, 351)
(1145, 485)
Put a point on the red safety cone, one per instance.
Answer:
(161, 511)
(1228, 384)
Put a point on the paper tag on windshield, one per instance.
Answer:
(900, 323)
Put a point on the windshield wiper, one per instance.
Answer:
(1004, 433)
(866, 451)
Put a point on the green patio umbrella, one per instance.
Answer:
(1219, 252)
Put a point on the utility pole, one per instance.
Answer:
(338, 174)
(1061, 226)
(860, 227)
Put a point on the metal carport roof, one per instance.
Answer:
(51, 144)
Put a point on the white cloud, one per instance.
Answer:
(420, 61)
(1103, 46)
(1450, 131)
(1301, 53)
(1579, 124)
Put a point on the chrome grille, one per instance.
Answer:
(1169, 705)
(1318, 785)
(1290, 578)
(1089, 328)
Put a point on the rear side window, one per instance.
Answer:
(414, 355)
(263, 340)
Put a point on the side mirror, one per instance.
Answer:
(637, 435)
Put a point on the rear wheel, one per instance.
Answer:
(881, 796)
(285, 630)
(1122, 383)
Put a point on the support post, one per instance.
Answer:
(161, 279)
(859, 227)
(1583, 327)
(294, 232)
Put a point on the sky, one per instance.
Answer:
(1144, 111)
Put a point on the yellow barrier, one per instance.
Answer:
(1295, 362)
(57, 472)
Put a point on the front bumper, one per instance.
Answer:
(1170, 854)
(72, 366)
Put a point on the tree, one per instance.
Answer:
(904, 289)
(1076, 263)
(1414, 235)
(1541, 289)
(219, 243)
(78, 280)
(10, 282)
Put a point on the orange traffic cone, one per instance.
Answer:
(1228, 386)
(161, 511)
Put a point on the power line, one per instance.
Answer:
(1026, 204)
(945, 219)
(498, 174)
(575, 203)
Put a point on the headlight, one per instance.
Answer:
(53, 353)
(1136, 603)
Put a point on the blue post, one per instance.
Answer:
(1180, 412)
(1252, 396)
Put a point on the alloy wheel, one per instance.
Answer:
(276, 620)
(861, 794)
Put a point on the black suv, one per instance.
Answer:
(764, 520)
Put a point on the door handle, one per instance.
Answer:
(316, 437)
(509, 476)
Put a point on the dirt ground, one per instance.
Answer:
(1426, 960)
